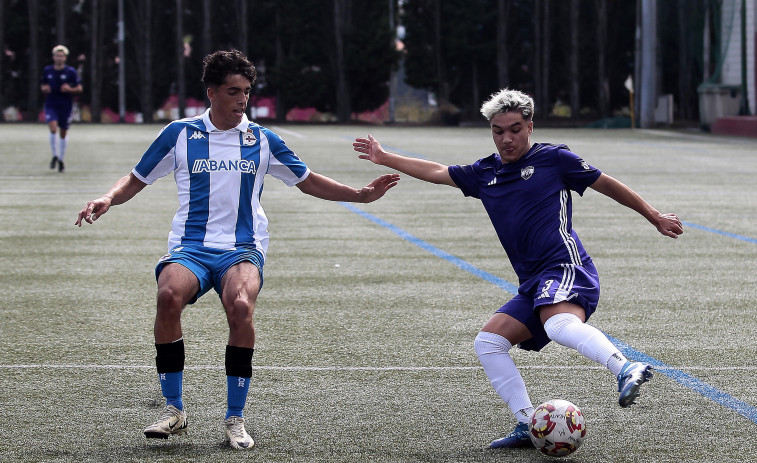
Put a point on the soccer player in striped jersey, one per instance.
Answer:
(219, 235)
(525, 189)
(59, 83)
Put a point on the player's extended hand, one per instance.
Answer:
(378, 187)
(93, 210)
(669, 225)
(371, 147)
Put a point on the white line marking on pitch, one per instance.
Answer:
(288, 132)
(345, 368)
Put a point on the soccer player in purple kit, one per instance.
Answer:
(219, 236)
(525, 189)
(59, 83)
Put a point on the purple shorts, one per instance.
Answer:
(577, 284)
(60, 113)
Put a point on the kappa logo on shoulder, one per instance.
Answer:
(197, 135)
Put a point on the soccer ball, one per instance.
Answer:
(557, 428)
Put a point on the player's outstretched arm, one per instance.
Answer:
(667, 224)
(324, 187)
(123, 190)
(422, 169)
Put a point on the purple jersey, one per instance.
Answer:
(529, 204)
(55, 78)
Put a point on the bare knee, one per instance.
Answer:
(239, 312)
(170, 303)
(508, 327)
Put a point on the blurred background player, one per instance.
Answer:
(59, 83)
(525, 189)
(219, 236)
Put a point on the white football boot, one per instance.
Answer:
(171, 421)
(235, 432)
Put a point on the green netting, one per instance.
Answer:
(721, 32)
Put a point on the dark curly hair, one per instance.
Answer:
(218, 66)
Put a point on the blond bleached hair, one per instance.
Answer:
(506, 101)
(62, 48)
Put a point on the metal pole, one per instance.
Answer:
(648, 62)
(121, 64)
(744, 102)
(706, 44)
(637, 64)
(393, 73)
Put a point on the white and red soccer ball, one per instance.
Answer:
(557, 428)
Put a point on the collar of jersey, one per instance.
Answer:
(242, 127)
(515, 166)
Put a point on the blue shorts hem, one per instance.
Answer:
(209, 265)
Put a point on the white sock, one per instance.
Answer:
(492, 350)
(62, 150)
(568, 330)
(52, 145)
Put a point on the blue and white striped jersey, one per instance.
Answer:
(530, 205)
(219, 177)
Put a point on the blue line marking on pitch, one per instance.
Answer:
(506, 285)
(742, 408)
(720, 232)
(406, 153)
(394, 149)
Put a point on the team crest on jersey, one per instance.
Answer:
(248, 138)
(527, 172)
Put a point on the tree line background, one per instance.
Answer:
(340, 56)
